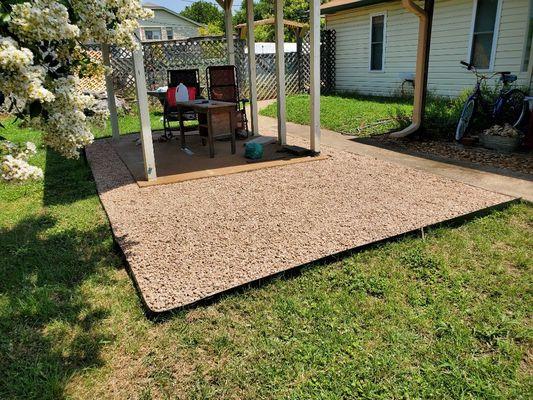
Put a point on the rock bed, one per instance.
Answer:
(191, 240)
(520, 162)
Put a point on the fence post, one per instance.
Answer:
(299, 59)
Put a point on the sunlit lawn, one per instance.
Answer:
(448, 317)
(359, 115)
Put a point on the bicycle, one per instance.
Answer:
(507, 108)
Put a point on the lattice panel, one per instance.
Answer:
(203, 52)
(327, 61)
(199, 53)
(94, 83)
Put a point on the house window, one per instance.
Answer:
(484, 33)
(152, 33)
(377, 42)
(170, 33)
(529, 38)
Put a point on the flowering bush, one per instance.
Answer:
(41, 59)
(14, 162)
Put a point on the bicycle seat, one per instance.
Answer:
(508, 78)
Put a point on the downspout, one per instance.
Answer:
(425, 17)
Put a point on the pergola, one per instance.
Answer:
(278, 21)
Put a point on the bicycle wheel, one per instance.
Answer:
(466, 118)
(512, 107)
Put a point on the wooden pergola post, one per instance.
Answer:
(111, 105)
(280, 70)
(252, 72)
(228, 22)
(144, 115)
(314, 21)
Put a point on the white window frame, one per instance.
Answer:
(527, 58)
(494, 36)
(384, 14)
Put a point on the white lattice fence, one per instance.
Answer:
(95, 83)
(200, 53)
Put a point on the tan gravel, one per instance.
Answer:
(191, 240)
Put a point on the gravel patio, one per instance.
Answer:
(188, 241)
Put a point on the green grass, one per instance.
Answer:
(448, 317)
(346, 113)
(362, 116)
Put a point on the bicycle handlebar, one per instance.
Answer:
(467, 65)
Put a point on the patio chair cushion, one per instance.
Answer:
(171, 96)
(192, 92)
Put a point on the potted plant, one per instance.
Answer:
(504, 138)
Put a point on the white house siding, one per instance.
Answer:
(163, 19)
(450, 44)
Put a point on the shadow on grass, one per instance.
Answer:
(66, 180)
(48, 330)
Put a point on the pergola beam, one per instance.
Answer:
(252, 72)
(280, 70)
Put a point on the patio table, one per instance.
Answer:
(159, 94)
(211, 115)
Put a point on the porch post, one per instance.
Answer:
(252, 78)
(229, 31)
(314, 21)
(144, 115)
(111, 105)
(280, 70)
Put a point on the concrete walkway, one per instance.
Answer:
(511, 186)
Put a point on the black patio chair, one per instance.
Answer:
(191, 79)
(222, 85)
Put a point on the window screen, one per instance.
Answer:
(377, 38)
(170, 33)
(483, 36)
(152, 34)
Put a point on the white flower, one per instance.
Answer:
(17, 74)
(42, 20)
(16, 169)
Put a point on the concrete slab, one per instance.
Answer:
(512, 186)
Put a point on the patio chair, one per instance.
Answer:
(222, 85)
(191, 79)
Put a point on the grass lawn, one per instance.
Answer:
(448, 317)
(361, 115)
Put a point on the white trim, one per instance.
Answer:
(371, 16)
(526, 39)
(495, 34)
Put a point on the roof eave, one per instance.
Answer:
(348, 6)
